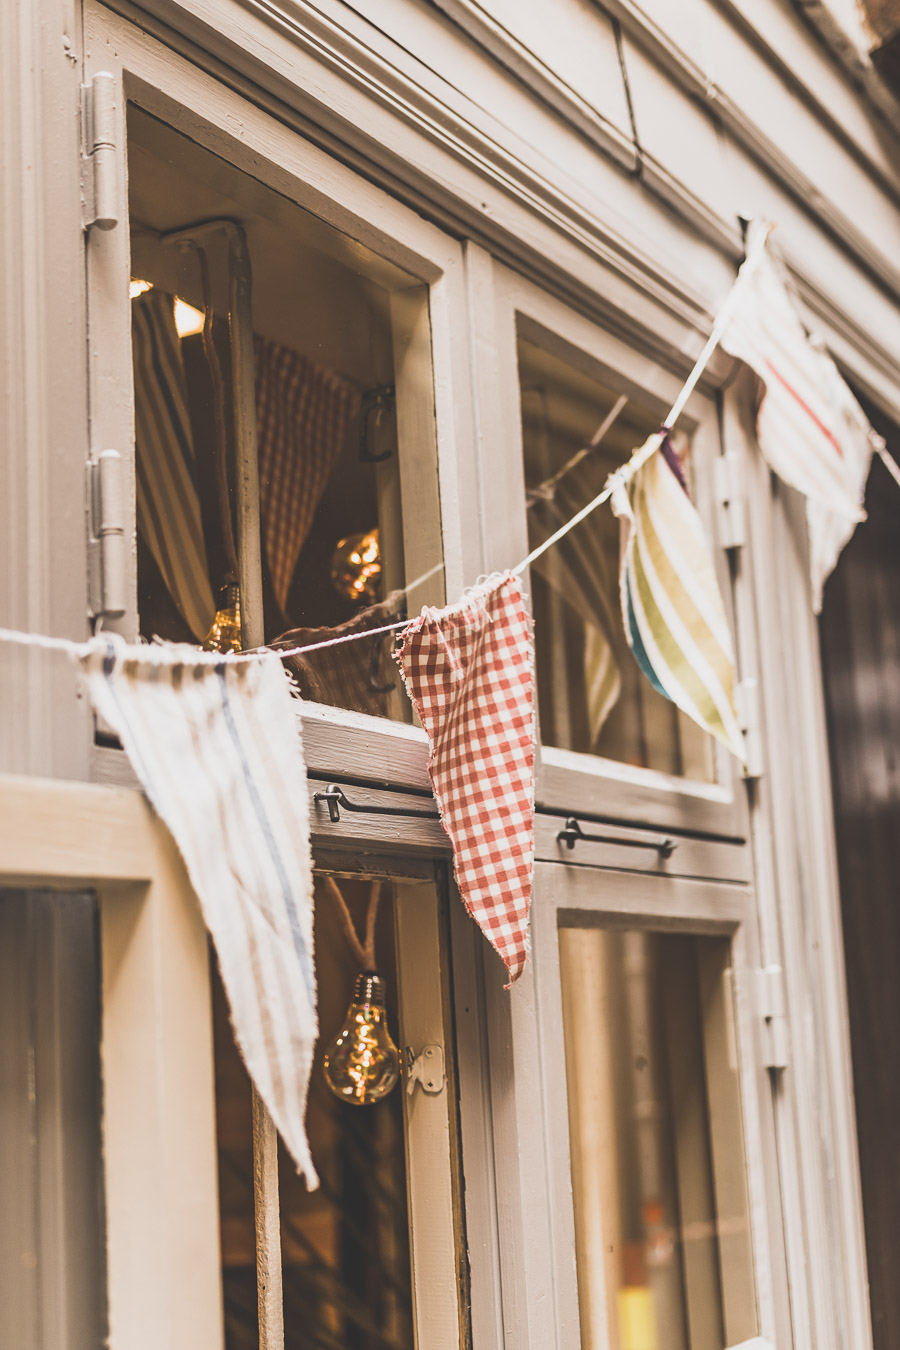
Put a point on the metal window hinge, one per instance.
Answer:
(771, 1008)
(729, 487)
(99, 121)
(107, 551)
(746, 698)
(426, 1068)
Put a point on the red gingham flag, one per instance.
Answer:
(469, 671)
(302, 412)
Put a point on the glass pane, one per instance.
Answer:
(661, 1220)
(52, 1268)
(591, 695)
(340, 354)
(345, 1247)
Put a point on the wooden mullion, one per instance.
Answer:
(266, 1200)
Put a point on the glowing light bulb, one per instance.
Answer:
(361, 1064)
(188, 320)
(356, 567)
(225, 633)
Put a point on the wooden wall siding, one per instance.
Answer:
(732, 114)
(860, 640)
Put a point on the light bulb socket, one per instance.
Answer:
(229, 596)
(369, 989)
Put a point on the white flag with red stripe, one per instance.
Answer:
(811, 429)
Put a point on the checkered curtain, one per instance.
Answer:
(469, 670)
(302, 415)
(354, 675)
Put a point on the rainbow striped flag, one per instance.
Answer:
(671, 604)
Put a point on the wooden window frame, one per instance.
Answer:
(166, 84)
(531, 1141)
(159, 1149)
(157, 1058)
(566, 780)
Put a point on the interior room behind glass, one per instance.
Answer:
(663, 1240)
(345, 1246)
(576, 429)
(328, 351)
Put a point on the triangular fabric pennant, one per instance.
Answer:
(671, 604)
(810, 428)
(469, 670)
(830, 530)
(216, 745)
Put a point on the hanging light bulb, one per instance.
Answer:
(356, 567)
(361, 1064)
(225, 633)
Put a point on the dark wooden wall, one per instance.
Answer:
(860, 642)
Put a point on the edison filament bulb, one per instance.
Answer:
(361, 1064)
(225, 633)
(356, 567)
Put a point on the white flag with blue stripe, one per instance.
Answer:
(216, 744)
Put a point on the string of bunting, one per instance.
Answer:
(227, 721)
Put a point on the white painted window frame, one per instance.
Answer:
(166, 84)
(170, 87)
(531, 1143)
(505, 304)
(159, 1141)
(157, 1059)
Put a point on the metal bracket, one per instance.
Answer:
(108, 561)
(99, 119)
(335, 799)
(746, 698)
(772, 1010)
(426, 1069)
(730, 497)
(573, 833)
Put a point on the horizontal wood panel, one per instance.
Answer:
(61, 831)
(690, 808)
(353, 746)
(381, 834)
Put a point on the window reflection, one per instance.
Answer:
(591, 695)
(662, 1230)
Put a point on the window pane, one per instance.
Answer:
(661, 1220)
(340, 347)
(51, 1209)
(345, 1247)
(591, 695)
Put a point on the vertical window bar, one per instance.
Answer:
(267, 1212)
(270, 1302)
(240, 332)
(249, 550)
